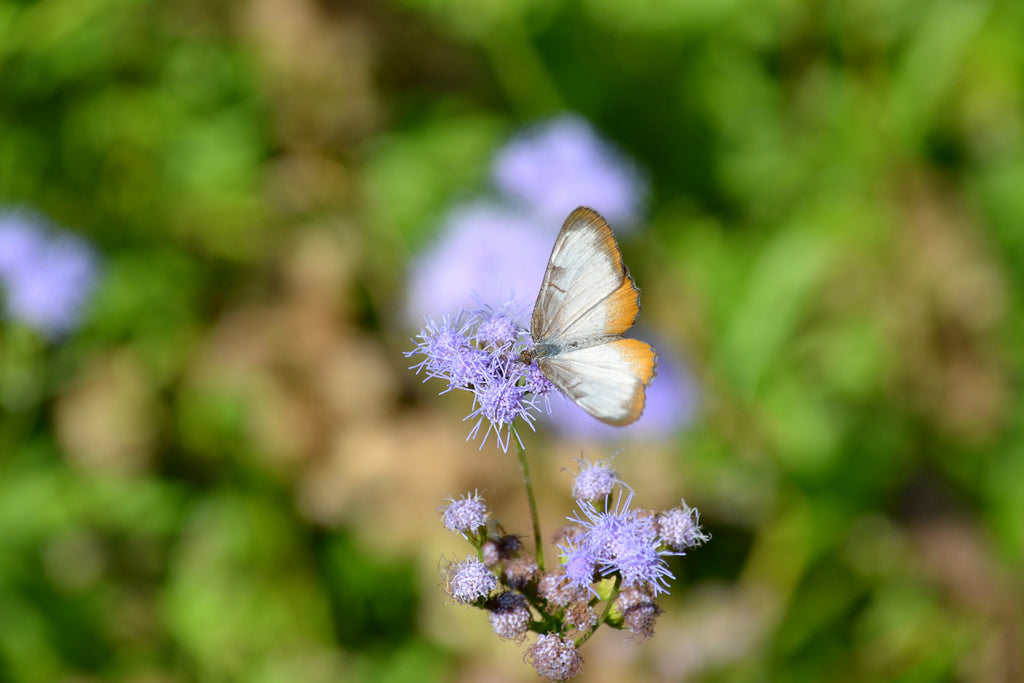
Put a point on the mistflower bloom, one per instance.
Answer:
(679, 528)
(484, 250)
(500, 400)
(466, 516)
(537, 383)
(580, 565)
(503, 386)
(619, 540)
(468, 581)
(594, 479)
(510, 616)
(639, 611)
(556, 166)
(613, 569)
(499, 328)
(448, 353)
(46, 276)
(555, 658)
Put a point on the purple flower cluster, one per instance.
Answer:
(566, 604)
(480, 353)
(46, 276)
(617, 541)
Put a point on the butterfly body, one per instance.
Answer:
(586, 302)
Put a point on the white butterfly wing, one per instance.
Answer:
(587, 292)
(609, 381)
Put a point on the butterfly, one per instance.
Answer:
(587, 301)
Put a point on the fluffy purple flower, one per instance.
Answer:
(639, 611)
(556, 166)
(555, 658)
(679, 528)
(46, 276)
(447, 352)
(580, 564)
(504, 388)
(671, 406)
(619, 540)
(484, 249)
(594, 480)
(499, 328)
(466, 515)
(510, 616)
(468, 581)
(501, 399)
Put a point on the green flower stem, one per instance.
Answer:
(607, 610)
(535, 518)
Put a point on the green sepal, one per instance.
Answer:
(605, 587)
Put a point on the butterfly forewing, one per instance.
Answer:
(587, 292)
(609, 381)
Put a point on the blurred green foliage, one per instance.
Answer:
(836, 238)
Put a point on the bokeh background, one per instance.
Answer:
(215, 464)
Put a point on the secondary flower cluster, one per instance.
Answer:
(613, 569)
(480, 352)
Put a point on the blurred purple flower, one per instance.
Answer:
(556, 166)
(671, 406)
(46, 276)
(484, 250)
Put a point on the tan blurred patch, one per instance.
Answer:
(319, 69)
(956, 557)
(948, 301)
(716, 626)
(300, 370)
(75, 560)
(385, 475)
(107, 419)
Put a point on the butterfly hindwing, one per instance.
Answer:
(609, 381)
